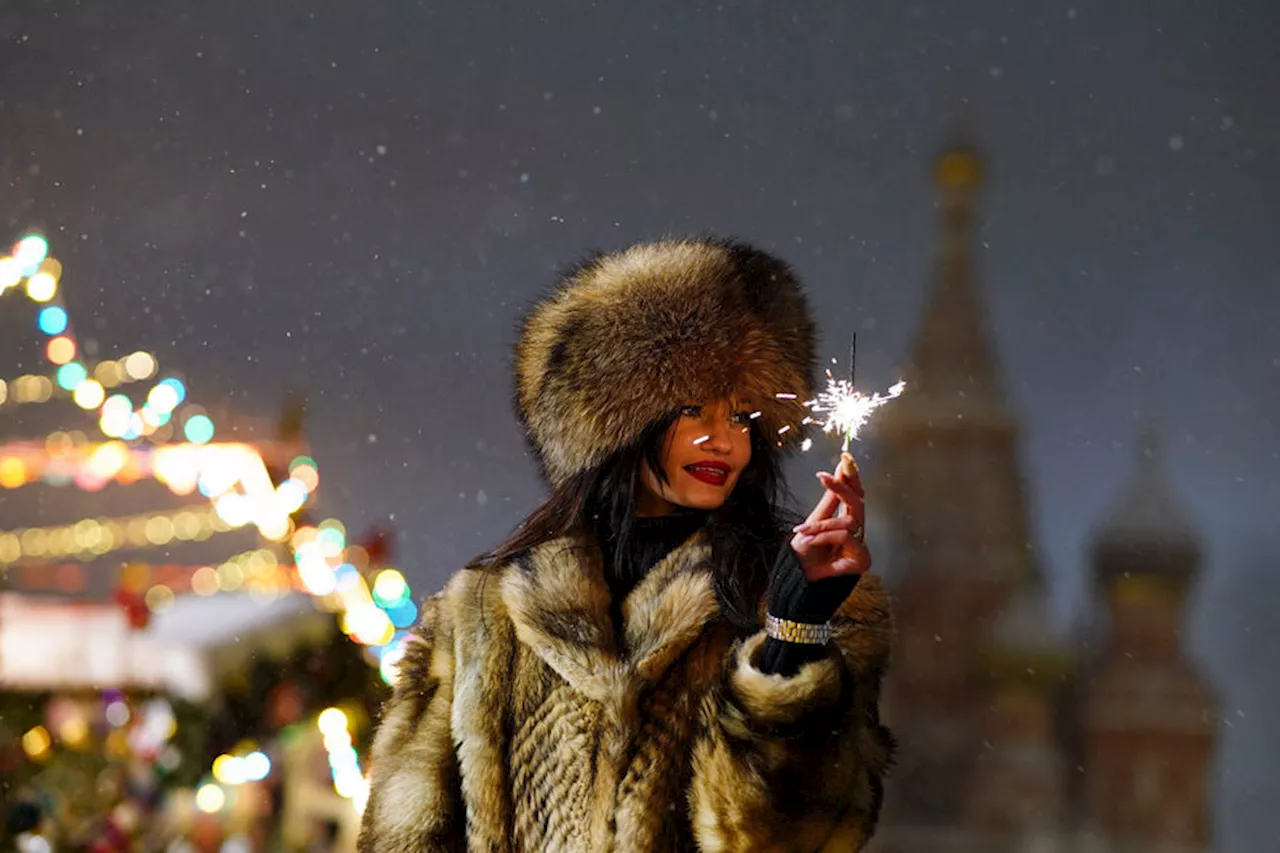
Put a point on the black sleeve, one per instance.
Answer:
(793, 597)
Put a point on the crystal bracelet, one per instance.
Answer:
(797, 632)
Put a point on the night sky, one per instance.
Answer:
(358, 201)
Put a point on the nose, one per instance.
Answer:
(717, 431)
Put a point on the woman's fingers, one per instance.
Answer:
(829, 542)
(851, 501)
(848, 491)
(830, 539)
(826, 506)
(853, 477)
(850, 521)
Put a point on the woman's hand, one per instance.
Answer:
(830, 541)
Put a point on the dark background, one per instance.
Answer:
(358, 201)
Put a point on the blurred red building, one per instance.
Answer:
(1012, 737)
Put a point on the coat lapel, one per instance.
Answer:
(559, 603)
(667, 610)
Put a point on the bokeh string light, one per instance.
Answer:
(90, 538)
(239, 486)
(232, 476)
(344, 762)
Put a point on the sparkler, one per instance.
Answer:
(844, 409)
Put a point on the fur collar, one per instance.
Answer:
(559, 602)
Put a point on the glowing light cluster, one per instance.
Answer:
(233, 476)
(32, 388)
(846, 409)
(93, 537)
(36, 743)
(238, 769)
(122, 727)
(344, 763)
(376, 615)
(210, 798)
(320, 554)
(30, 260)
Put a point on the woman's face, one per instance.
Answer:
(703, 455)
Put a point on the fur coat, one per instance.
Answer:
(521, 723)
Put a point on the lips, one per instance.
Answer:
(709, 472)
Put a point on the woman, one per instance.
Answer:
(602, 680)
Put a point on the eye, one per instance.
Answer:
(742, 418)
(691, 411)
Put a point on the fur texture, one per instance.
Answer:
(629, 336)
(521, 723)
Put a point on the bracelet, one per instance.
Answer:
(797, 632)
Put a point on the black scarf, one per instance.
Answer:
(651, 539)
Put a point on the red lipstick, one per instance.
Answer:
(709, 471)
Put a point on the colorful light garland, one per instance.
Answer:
(233, 476)
(90, 538)
(344, 763)
(326, 566)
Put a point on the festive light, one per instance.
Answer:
(117, 713)
(316, 575)
(70, 375)
(52, 320)
(292, 495)
(109, 373)
(30, 252)
(847, 409)
(230, 770)
(368, 625)
(90, 538)
(36, 743)
(41, 287)
(89, 394)
(198, 429)
(303, 469)
(74, 732)
(256, 766)
(10, 273)
(34, 389)
(210, 798)
(116, 412)
(41, 389)
(204, 581)
(12, 473)
(332, 721)
(159, 598)
(235, 481)
(389, 588)
(344, 763)
(233, 475)
(403, 614)
(60, 350)
(140, 365)
(166, 395)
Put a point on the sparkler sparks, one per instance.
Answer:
(846, 409)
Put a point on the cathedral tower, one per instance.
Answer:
(1149, 718)
(953, 492)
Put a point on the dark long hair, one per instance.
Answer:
(745, 532)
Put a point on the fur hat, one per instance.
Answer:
(628, 337)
